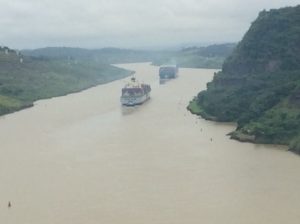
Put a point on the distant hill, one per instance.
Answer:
(104, 55)
(58, 53)
(195, 57)
(259, 85)
(211, 56)
(216, 50)
(25, 79)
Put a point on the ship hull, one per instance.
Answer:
(171, 76)
(132, 101)
(168, 72)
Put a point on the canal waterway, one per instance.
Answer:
(85, 159)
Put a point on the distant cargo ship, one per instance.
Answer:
(135, 93)
(168, 71)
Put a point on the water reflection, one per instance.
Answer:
(128, 110)
(162, 81)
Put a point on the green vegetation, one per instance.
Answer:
(194, 107)
(24, 80)
(259, 85)
(9, 104)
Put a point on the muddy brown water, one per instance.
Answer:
(83, 159)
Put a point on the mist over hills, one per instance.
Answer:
(211, 56)
(105, 55)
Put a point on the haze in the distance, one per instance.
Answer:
(127, 24)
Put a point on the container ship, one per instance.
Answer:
(135, 93)
(168, 71)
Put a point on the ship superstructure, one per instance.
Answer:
(135, 93)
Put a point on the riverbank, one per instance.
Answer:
(259, 85)
(195, 109)
(241, 135)
(24, 80)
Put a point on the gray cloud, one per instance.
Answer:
(130, 23)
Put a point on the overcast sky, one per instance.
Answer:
(127, 23)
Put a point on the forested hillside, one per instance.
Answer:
(259, 85)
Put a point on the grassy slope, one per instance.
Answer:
(259, 85)
(23, 83)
